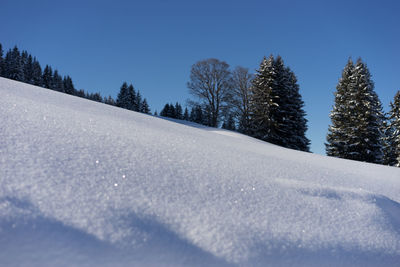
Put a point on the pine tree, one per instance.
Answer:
(57, 83)
(171, 113)
(131, 99)
(145, 107)
(296, 116)
(24, 63)
(357, 117)
(28, 70)
(1, 61)
(36, 73)
(276, 108)
(178, 111)
(389, 144)
(196, 115)
(138, 101)
(165, 111)
(123, 100)
(69, 86)
(186, 114)
(47, 77)
(337, 138)
(13, 65)
(395, 126)
(367, 119)
(109, 101)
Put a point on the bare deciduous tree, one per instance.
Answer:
(240, 97)
(210, 81)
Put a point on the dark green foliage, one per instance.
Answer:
(196, 115)
(394, 133)
(144, 107)
(68, 86)
(337, 139)
(13, 65)
(389, 142)
(110, 101)
(168, 111)
(276, 111)
(178, 111)
(172, 111)
(25, 68)
(186, 114)
(138, 102)
(47, 77)
(123, 100)
(131, 99)
(94, 97)
(357, 117)
(58, 83)
(1, 61)
(36, 73)
(28, 70)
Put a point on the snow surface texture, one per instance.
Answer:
(87, 184)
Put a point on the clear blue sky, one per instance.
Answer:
(153, 44)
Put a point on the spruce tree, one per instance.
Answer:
(138, 102)
(337, 139)
(367, 118)
(296, 116)
(389, 143)
(395, 126)
(36, 73)
(24, 63)
(131, 99)
(69, 86)
(145, 107)
(28, 70)
(357, 117)
(186, 114)
(276, 108)
(165, 111)
(47, 77)
(196, 115)
(178, 111)
(58, 84)
(1, 61)
(13, 65)
(123, 100)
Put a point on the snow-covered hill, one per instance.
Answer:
(87, 184)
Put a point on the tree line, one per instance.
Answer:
(23, 67)
(266, 105)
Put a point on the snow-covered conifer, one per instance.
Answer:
(277, 114)
(395, 126)
(122, 98)
(337, 138)
(357, 117)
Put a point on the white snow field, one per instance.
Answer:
(87, 184)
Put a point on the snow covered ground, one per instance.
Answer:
(87, 184)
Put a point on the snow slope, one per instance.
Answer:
(86, 184)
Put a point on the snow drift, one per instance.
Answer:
(85, 184)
